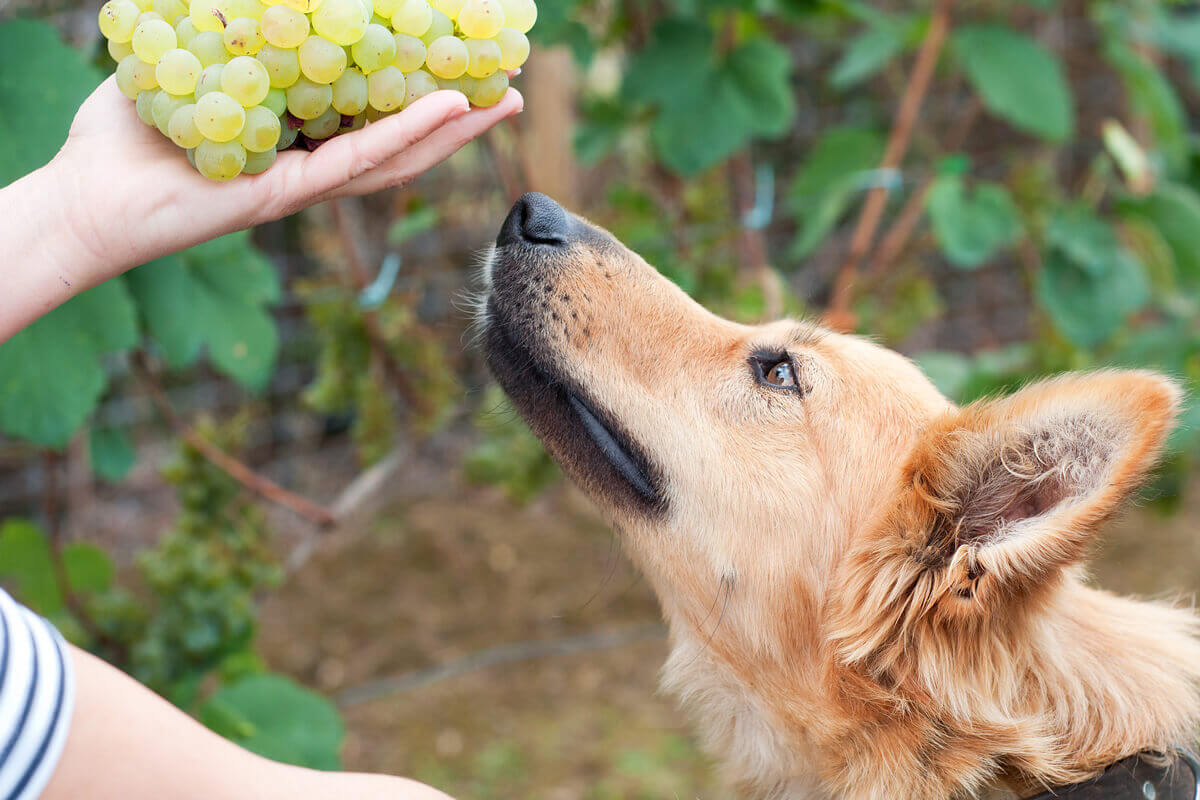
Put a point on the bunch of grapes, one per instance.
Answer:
(235, 81)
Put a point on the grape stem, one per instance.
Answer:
(839, 315)
(253, 481)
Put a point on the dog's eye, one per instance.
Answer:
(777, 370)
(781, 375)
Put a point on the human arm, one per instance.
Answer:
(119, 194)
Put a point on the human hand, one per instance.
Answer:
(131, 196)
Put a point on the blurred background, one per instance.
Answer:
(270, 477)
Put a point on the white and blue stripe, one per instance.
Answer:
(37, 694)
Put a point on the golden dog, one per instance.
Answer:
(871, 592)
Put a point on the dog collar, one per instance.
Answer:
(1141, 777)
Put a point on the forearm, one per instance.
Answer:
(127, 743)
(44, 261)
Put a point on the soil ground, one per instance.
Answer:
(463, 570)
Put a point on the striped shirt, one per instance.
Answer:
(37, 693)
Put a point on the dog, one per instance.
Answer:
(871, 593)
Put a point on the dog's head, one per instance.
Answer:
(812, 489)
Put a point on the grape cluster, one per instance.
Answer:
(235, 81)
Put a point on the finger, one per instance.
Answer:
(434, 149)
(302, 177)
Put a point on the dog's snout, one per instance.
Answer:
(537, 219)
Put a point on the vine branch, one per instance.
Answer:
(253, 481)
(838, 315)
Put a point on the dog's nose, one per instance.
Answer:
(537, 219)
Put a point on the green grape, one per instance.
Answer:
(209, 80)
(185, 31)
(170, 10)
(375, 50)
(146, 16)
(245, 79)
(484, 57)
(251, 9)
(481, 19)
(118, 18)
(412, 17)
(384, 9)
(164, 106)
(449, 84)
(467, 85)
(440, 25)
(191, 155)
(447, 57)
(243, 37)
(489, 90)
(324, 126)
(308, 100)
(207, 16)
(358, 123)
(451, 8)
(284, 27)
(341, 21)
(303, 6)
(119, 50)
(373, 114)
(276, 100)
(134, 76)
(417, 85)
(287, 137)
(410, 53)
(321, 60)
(257, 163)
(220, 161)
(144, 5)
(219, 117)
(514, 48)
(378, 20)
(145, 106)
(385, 89)
(209, 47)
(350, 93)
(519, 14)
(153, 38)
(283, 66)
(177, 71)
(261, 131)
(182, 127)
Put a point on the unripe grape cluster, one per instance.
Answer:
(233, 82)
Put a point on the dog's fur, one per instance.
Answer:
(871, 593)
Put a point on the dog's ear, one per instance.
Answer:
(1005, 493)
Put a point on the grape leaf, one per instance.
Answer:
(1017, 79)
(867, 54)
(1174, 209)
(676, 70)
(275, 717)
(1084, 238)
(971, 227)
(50, 373)
(26, 562)
(1088, 309)
(212, 298)
(826, 185)
(1155, 100)
(761, 72)
(111, 453)
(36, 114)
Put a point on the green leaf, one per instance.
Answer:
(111, 452)
(411, 224)
(26, 563)
(761, 72)
(42, 83)
(1174, 209)
(1083, 238)
(949, 372)
(89, 569)
(723, 119)
(51, 377)
(972, 227)
(826, 184)
(1088, 309)
(275, 717)
(676, 70)
(1017, 79)
(868, 53)
(213, 297)
(1155, 100)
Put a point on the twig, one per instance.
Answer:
(50, 462)
(495, 656)
(375, 338)
(247, 477)
(838, 315)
